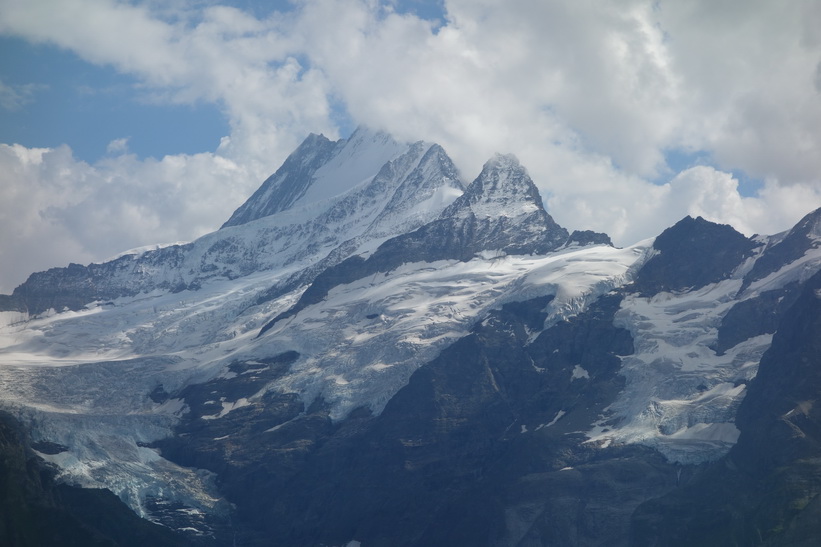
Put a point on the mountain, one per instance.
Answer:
(316, 170)
(378, 197)
(499, 212)
(370, 351)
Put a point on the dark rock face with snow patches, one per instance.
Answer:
(372, 352)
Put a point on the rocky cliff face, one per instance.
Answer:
(691, 254)
(370, 351)
(788, 248)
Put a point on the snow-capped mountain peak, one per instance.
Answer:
(503, 188)
(328, 201)
(289, 183)
(319, 169)
(502, 210)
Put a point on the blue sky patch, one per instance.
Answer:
(87, 106)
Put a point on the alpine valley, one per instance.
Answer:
(373, 352)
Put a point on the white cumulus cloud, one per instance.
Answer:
(55, 209)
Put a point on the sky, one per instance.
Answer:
(131, 123)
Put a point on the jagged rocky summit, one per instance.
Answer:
(373, 351)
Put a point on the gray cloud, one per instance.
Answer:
(817, 80)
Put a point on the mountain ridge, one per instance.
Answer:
(291, 239)
(501, 211)
(276, 194)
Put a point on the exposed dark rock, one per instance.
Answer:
(243, 444)
(159, 395)
(48, 447)
(755, 316)
(474, 450)
(780, 418)
(207, 436)
(691, 254)
(588, 237)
